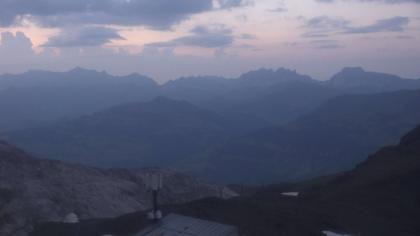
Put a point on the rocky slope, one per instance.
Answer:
(34, 190)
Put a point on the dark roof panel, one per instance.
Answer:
(178, 225)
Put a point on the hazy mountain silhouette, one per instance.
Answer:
(76, 77)
(356, 79)
(40, 96)
(278, 96)
(227, 147)
(334, 137)
(160, 133)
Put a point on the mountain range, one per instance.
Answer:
(277, 124)
(278, 96)
(266, 126)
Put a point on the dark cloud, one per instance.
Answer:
(215, 36)
(152, 13)
(83, 37)
(317, 44)
(326, 23)
(395, 24)
(323, 26)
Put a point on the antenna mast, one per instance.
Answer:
(154, 182)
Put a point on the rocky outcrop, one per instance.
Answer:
(33, 190)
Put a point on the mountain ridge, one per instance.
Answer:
(278, 96)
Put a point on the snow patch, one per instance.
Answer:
(290, 194)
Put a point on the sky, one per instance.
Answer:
(167, 39)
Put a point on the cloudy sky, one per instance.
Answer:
(166, 39)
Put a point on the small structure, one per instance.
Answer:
(154, 182)
(178, 225)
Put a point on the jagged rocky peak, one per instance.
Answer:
(269, 73)
(78, 69)
(267, 77)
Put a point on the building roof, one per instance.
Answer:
(178, 225)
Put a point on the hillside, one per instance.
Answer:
(161, 132)
(33, 190)
(379, 197)
(39, 97)
(334, 137)
(357, 80)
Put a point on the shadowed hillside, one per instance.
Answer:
(334, 137)
(379, 197)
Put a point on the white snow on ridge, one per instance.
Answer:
(290, 194)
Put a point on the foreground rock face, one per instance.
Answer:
(33, 190)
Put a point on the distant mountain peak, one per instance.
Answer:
(285, 70)
(80, 70)
(269, 72)
(359, 80)
(270, 76)
(357, 69)
(163, 99)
